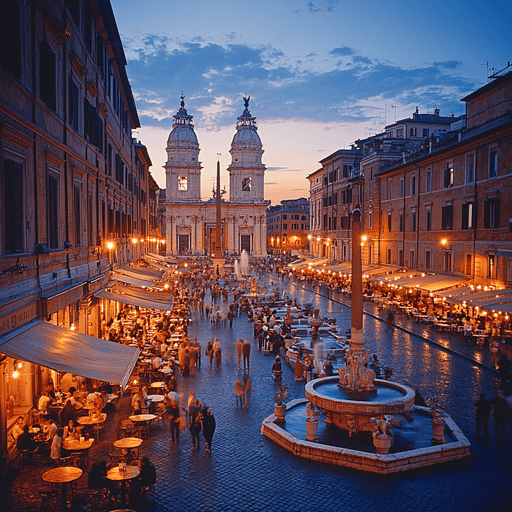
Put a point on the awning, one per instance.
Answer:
(134, 301)
(158, 266)
(130, 280)
(71, 352)
(317, 262)
(141, 272)
(164, 298)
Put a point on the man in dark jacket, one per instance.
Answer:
(483, 412)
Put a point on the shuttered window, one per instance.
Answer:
(10, 37)
(492, 213)
(48, 75)
(77, 211)
(53, 211)
(447, 217)
(13, 201)
(73, 104)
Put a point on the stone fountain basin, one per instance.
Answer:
(391, 398)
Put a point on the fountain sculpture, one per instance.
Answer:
(244, 263)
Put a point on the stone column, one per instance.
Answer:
(357, 279)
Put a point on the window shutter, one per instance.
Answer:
(465, 216)
(13, 206)
(446, 178)
(53, 212)
(497, 212)
(487, 211)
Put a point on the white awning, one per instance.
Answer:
(71, 352)
(146, 273)
(131, 280)
(135, 301)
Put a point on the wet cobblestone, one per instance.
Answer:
(247, 472)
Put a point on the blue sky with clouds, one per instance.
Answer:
(320, 74)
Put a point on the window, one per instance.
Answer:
(428, 219)
(401, 187)
(285, 216)
(13, 205)
(296, 217)
(447, 216)
(492, 213)
(447, 261)
(93, 125)
(468, 215)
(246, 184)
(302, 226)
(448, 176)
(183, 183)
(285, 226)
(10, 37)
(413, 132)
(295, 226)
(401, 257)
(470, 168)
(77, 212)
(413, 220)
(73, 103)
(370, 219)
(412, 259)
(48, 75)
(491, 268)
(413, 185)
(347, 169)
(401, 221)
(429, 180)
(390, 188)
(469, 264)
(388, 256)
(428, 260)
(426, 132)
(493, 162)
(74, 11)
(53, 211)
(389, 221)
(400, 133)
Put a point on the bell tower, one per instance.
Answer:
(246, 171)
(183, 169)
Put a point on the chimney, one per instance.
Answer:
(436, 112)
(415, 113)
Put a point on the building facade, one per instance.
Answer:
(432, 191)
(288, 226)
(74, 184)
(190, 222)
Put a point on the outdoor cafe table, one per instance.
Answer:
(77, 445)
(156, 398)
(92, 420)
(158, 385)
(117, 475)
(143, 417)
(62, 475)
(129, 444)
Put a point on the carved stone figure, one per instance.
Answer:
(281, 395)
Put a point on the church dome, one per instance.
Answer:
(246, 131)
(182, 134)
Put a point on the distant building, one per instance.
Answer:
(288, 226)
(190, 222)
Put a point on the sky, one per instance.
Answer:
(321, 74)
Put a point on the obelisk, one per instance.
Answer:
(218, 260)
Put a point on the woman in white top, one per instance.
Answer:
(56, 448)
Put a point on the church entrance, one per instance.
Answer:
(245, 243)
(183, 244)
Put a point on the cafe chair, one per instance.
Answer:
(127, 428)
(26, 456)
(99, 497)
(143, 431)
(97, 429)
(79, 459)
(145, 490)
(160, 419)
(49, 499)
(64, 461)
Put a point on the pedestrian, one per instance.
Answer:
(390, 319)
(209, 352)
(209, 425)
(240, 392)
(230, 318)
(495, 347)
(246, 351)
(500, 412)
(239, 350)
(483, 412)
(218, 352)
(504, 370)
(56, 446)
(195, 425)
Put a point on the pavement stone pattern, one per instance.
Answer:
(247, 472)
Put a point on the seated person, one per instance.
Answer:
(25, 441)
(56, 447)
(72, 431)
(68, 413)
(44, 404)
(17, 430)
(97, 478)
(49, 429)
(146, 478)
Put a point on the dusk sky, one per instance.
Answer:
(321, 74)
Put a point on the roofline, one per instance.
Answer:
(487, 87)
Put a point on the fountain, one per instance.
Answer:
(358, 404)
(237, 271)
(244, 263)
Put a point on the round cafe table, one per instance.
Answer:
(156, 398)
(129, 444)
(117, 475)
(63, 476)
(143, 417)
(92, 420)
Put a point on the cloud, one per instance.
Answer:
(281, 169)
(342, 50)
(448, 64)
(325, 6)
(215, 78)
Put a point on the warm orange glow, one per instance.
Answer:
(443, 241)
(110, 245)
(134, 241)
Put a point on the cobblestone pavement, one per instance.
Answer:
(247, 472)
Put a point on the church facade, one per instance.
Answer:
(191, 222)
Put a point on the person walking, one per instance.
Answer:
(483, 412)
(230, 318)
(500, 412)
(246, 351)
(195, 425)
(218, 352)
(239, 350)
(390, 320)
(240, 392)
(495, 347)
(209, 353)
(209, 426)
(173, 412)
